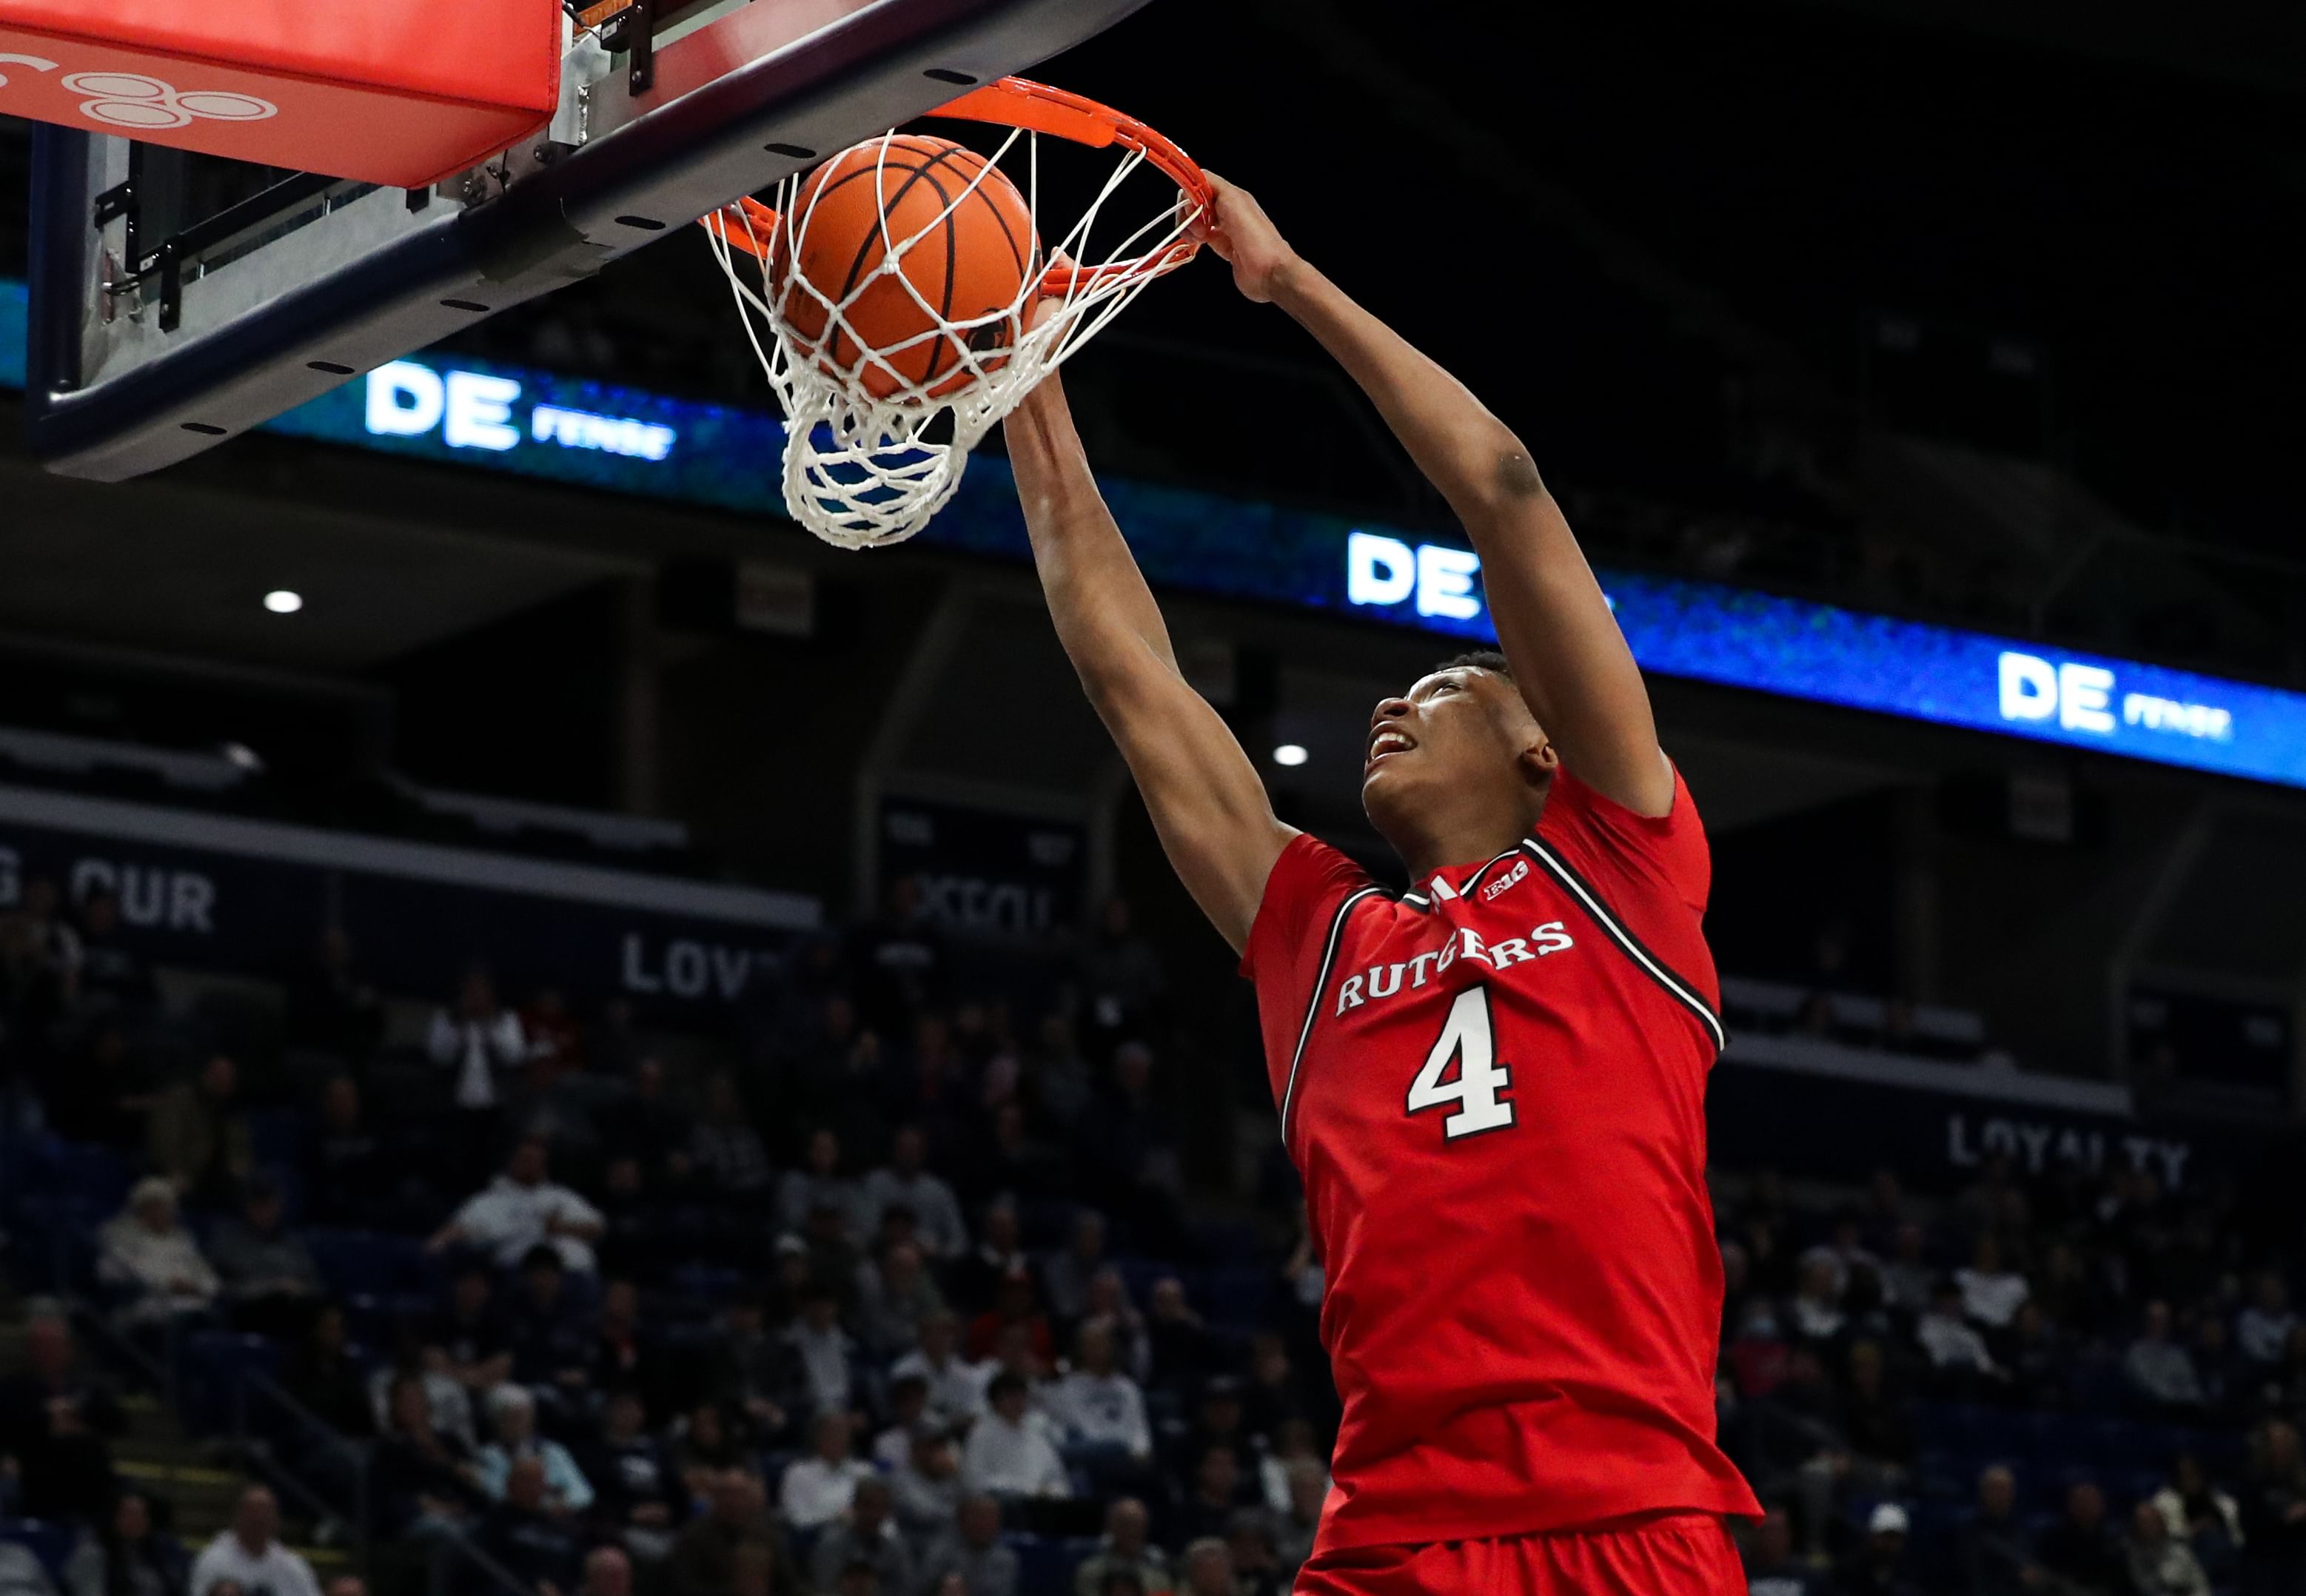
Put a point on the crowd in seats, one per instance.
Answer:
(898, 1293)
(2068, 1379)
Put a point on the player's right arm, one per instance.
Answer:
(1215, 821)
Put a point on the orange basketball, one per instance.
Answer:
(970, 261)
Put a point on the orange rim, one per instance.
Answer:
(1020, 103)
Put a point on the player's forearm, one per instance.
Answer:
(1468, 454)
(1105, 613)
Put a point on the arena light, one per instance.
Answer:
(282, 601)
(1290, 754)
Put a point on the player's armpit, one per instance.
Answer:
(1570, 660)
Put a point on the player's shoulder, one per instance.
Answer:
(1311, 890)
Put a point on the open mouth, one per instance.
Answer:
(1388, 741)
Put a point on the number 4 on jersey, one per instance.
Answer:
(1465, 1037)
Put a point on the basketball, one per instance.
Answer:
(969, 252)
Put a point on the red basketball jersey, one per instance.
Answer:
(1494, 1086)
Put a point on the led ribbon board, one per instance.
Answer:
(605, 437)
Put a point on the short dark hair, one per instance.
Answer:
(1003, 1383)
(1479, 659)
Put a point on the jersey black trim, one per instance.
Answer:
(1651, 965)
(1313, 1004)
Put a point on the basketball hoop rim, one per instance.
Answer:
(1020, 103)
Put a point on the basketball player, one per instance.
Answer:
(1492, 1084)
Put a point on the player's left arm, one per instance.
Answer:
(1569, 659)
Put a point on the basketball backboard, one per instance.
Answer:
(157, 332)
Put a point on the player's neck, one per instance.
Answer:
(1471, 842)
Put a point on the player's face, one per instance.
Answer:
(1457, 733)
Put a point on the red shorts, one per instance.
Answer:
(1678, 1554)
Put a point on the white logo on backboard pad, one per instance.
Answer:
(131, 100)
(34, 61)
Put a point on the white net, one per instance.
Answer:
(864, 468)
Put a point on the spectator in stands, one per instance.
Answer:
(625, 1355)
(1109, 1308)
(897, 963)
(1207, 1565)
(100, 1092)
(1815, 1311)
(2207, 1518)
(1120, 977)
(971, 1551)
(478, 1040)
(906, 1182)
(145, 1252)
(126, 1556)
(735, 1530)
(2262, 1329)
(1998, 1554)
(114, 977)
(2158, 1368)
(1128, 1158)
(975, 1279)
(725, 1153)
(753, 1370)
(1062, 1084)
(1307, 1482)
(472, 1333)
(1876, 1422)
(325, 1377)
(817, 1489)
(512, 1419)
(649, 1127)
(1214, 1487)
(1257, 1568)
(21, 1574)
(249, 1556)
(331, 1007)
(2273, 1514)
(198, 1135)
(824, 1357)
(522, 1208)
(1991, 1291)
(554, 1040)
(706, 1447)
(1177, 1341)
(608, 1572)
(926, 1487)
(422, 1480)
(2081, 1548)
(1955, 1349)
(1126, 1546)
(1015, 1304)
(819, 1184)
(446, 1396)
(268, 1271)
(1009, 1452)
(956, 1386)
(1771, 1567)
(550, 1342)
(1065, 1274)
(346, 1176)
(56, 1421)
(1877, 1566)
(528, 1532)
(866, 1534)
(1100, 1411)
(2158, 1563)
(638, 1494)
(894, 1296)
(1907, 1277)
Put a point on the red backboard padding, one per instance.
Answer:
(400, 92)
